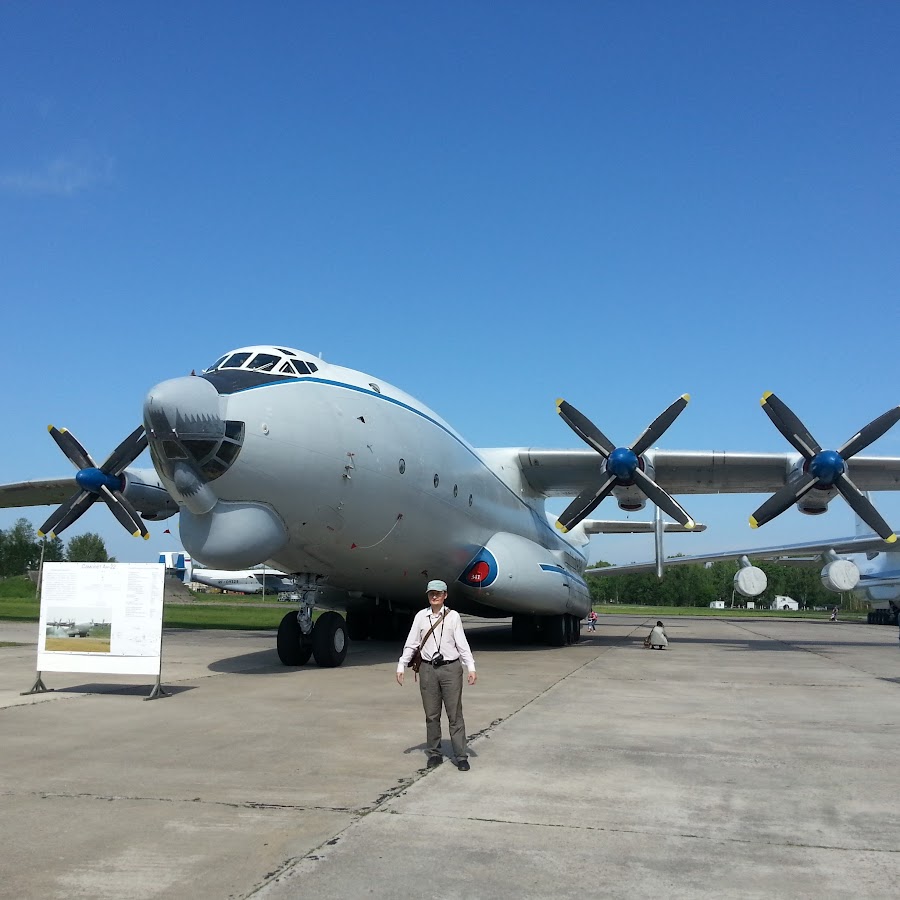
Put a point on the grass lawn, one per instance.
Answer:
(18, 603)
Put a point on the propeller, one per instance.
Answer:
(622, 465)
(825, 469)
(97, 483)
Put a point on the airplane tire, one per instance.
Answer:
(555, 630)
(359, 624)
(293, 649)
(329, 640)
(576, 629)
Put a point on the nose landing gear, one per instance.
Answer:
(299, 637)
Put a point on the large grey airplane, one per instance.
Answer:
(362, 493)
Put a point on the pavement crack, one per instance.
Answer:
(688, 835)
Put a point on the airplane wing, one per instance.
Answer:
(51, 491)
(855, 544)
(563, 473)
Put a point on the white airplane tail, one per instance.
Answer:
(178, 564)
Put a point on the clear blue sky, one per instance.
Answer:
(489, 205)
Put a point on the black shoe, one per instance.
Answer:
(463, 765)
(434, 762)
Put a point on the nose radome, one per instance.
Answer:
(188, 406)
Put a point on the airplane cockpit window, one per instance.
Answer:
(252, 367)
(235, 361)
(263, 362)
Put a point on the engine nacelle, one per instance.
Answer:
(146, 493)
(840, 575)
(816, 501)
(750, 581)
(629, 497)
(522, 576)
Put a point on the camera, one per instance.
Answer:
(437, 659)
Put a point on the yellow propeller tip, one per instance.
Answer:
(559, 403)
(41, 534)
(147, 536)
(765, 397)
(891, 539)
(690, 524)
(686, 398)
(562, 527)
(753, 523)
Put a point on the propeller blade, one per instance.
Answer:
(658, 426)
(871, 432)
(585, 503)
(69, 444)
(585, 428)
(789, 425)
(124, 512)
(782, 499)
(665, 501)
(862, 506)
(65, 515)
(126, 453)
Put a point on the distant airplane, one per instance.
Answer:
(858, 564)
(241, 581)
(362, 494)
(76, 629)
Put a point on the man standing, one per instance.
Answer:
(440, 678)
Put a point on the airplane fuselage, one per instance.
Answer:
(350, 479)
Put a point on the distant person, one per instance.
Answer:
(443, 651)
(592, 621)
(834, 615)
(657, 638)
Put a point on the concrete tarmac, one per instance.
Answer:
(753, 758)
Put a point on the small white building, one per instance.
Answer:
(717, 604)
(784, 603)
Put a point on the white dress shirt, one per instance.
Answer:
(448, 638)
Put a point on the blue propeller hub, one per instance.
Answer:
(622, 463)
(827, 466)
(93, 479)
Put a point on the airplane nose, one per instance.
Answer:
(186, 407)
(186, 434)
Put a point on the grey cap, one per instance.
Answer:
(436, 585)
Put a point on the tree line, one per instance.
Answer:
(20, 549)
(693, 584)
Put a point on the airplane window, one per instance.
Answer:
(286, 352)
(173, 450)
(234, 430)
(228, 453)
(263, 362)
(303, 368)
(216, 364)
(213, 468)
(287, 369)
(236, 360)
(313, 367)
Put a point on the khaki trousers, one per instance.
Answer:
(443, 686)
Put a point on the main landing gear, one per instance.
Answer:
(557, 630)
(299, 638)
